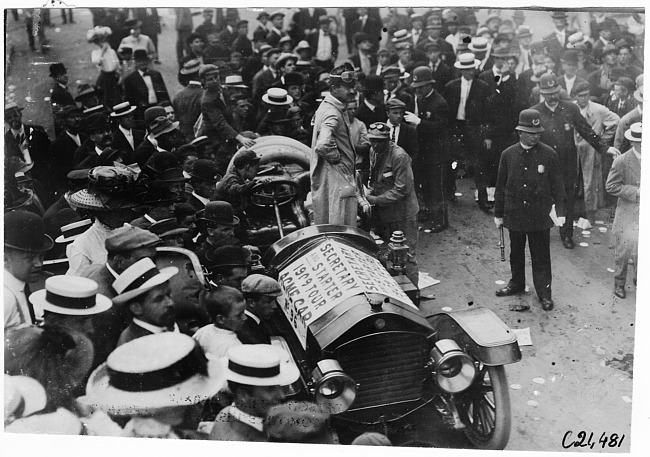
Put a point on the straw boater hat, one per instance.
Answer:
(634, 132)
(23, 395)
(70, 295)
(190, 67)
(235, 81)
(122, 109)
(140, 278)
(152, 372)
(467, 61)
(71, 232)
(259, 365)
(479, 44)
(277, 96)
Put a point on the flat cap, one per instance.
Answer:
(129, 238)
(261, 284)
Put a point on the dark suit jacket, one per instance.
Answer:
(368, 117)
(315, 38)
(38, 145)
(227, 37)
(62, 152)
(87, 147)
(408, 140)
(253, 333)
(195, 202)
(187, 106)
(433, 140)
(372, 27)
(262, 80)
(356, 61)
(553, 46)
(475, 112)
(447, 54)
(60, 96)
(136, 92)
(143, 152)
(132, 332)
(121, 143)
(272, 38)
(501, 104)
(243, 44)
(442, 76)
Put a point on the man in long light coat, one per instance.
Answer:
(333, 184)
(603, 122)
(624, 182)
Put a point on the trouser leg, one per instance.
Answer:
(566, 231)
(517, 258)
(29, 25)
(625, 249)
(540, 254)
(436, 200)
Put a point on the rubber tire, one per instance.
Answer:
(500, 435)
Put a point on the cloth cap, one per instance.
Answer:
(205, 69)
(395, 103)
(261, 284)
(530, 120)
(128, 238)
(379, 131)
(25, 231)
(245, 157)
(275, 14)
(190, 67)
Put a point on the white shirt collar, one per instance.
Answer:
(153, 328)
(111, 271)
(21, 130)
(256, 422)
(126, 132)
(203, 200)
(369, 105)
(194, 83)
(526, 148)
(253, 316)
(74, 137)
(98, 151)
(13, 283)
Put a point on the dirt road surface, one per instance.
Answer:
(576, 376)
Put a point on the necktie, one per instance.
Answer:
(28, 292)
(392, 134)
(20, 138)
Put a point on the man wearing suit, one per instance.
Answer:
(372, 109)
(229, 32)
(99, 138)
(555, 42)
(364, 59)
(64, 146)
(260, 293)
(621, 101)
(59, 94)
(430, 116)
(368, 25)
(603, 79)
(402, 134)
(125, 137)
(241, 43)
(442, 73)
(149, 303)
(276, 32)
(203, 178)
(561, 120)
(636, 115)
(469, 120)
(434, 29)
(570, 79)
(144, 87)
(393, 87)
(267, 76)
(624, 182)
(187, 101)
(325, 45)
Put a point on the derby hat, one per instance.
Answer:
(167, 227)
(152, 113)
(530, 121)
(395, 103)
(374, 83)
(227, 256)
(190, 67)
(634, 132)
(391, 72)
(23, 396)
(524, 31)
(129, 238)
(360, 37)
(140, 54)
(479, 44)
(244, 157)
(57, 69)
(96, 122)
(422, 76)
(219, 212)
(277, 96)
(467, 61)
(548, 84)
(378, 131)
(133, 23)
(152, 372)
(235, 81)
(259, 365)
(25, 231)
(122, 109)
(71, 296)
(293, 79)
(261, 284)
(173, 174)
(205, 170)
(72, 231)
(109, 157)
(139, 279)
(161, 125)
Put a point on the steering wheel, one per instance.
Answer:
(278, 192)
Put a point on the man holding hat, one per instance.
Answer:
(529, 183)
(144, 87)
(260, 293)
(430, 117)
(125, 137)
(256, 374)
(203, 178)
(624, 182)
(333, 182)
(25, 247)
(392, 193)
(145, 292)
(561, 120)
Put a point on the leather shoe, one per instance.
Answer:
(508, 290)
(483, 207)
(437, 228)
(619, 291)
(547, 304)
(568, 242)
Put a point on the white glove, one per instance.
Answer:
(412, 118)
(561, 221)
(613, 151)
(498, 221)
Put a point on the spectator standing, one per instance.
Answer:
(325, 45)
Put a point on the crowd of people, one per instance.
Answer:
(107, 349)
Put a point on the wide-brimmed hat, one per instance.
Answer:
(530, 120)
(72, 231)
(167, 227)
(25, 231)
(98, 33)
(161, 125)
(235, 81)
(259, 365)
(467, 61)
(152, 372)
(140, 278)
(277, 96)
(173, 174)
(422, 76)
(205, 170)
(129, 238)
(479, 44)
(261, 284)
(634, 132)
(122, 109)
(23, 393)
(70, 295)
(83, 199)
(548, 84)
(219, 212)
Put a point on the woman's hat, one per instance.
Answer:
(530, 121)
(259, 365)
(122, 109)
(71, 296)
(634, 132)
(152, 372)
(277, 96)
(140, 278)
(23, 393)
(25, 231)
(161, 125)
(71, 232)
(467, 61)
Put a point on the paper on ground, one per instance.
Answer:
(583, 224)
(424, 280)
(523, 336)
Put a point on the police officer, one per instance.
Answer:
(528, 184)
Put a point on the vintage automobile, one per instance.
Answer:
(369, 355)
